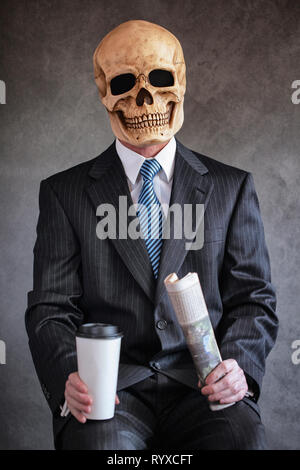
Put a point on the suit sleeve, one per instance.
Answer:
(53, 315)
(249, 324)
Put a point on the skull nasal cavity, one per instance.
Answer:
(143, 97)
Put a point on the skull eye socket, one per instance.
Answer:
(161, 78)
(122, 83)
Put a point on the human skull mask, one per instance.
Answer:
(140, 73)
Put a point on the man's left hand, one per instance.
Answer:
(230, 388)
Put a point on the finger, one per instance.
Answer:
(78, 415)
(78, 406)
(235, 388)
(223, 368)
(224, 383)
(77, 383)
(234, 398)
(83, 398)
(117, 401)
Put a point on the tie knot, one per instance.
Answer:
(149, 169)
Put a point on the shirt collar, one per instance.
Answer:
(133, 161)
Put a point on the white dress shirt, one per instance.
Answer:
(162, 181)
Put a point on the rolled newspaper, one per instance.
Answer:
(188, 302)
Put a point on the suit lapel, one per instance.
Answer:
(109, 182)
(190, 186)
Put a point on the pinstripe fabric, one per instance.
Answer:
(79, 278)
(150, 214)
(159, 413)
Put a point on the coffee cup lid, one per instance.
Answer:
(99, 330)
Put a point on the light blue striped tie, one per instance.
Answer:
(150, 214)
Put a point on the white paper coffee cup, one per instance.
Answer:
(98, 354)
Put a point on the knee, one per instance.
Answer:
(248, 430)
(96, 435)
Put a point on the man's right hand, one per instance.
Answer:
(77, 397)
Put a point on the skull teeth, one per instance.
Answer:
(148, 120)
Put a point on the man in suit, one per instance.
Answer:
(80, 278)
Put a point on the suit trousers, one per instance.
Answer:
(159, 413)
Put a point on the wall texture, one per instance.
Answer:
(242, 57)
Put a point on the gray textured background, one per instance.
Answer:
(242, 57)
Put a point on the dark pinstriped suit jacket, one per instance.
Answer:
(80, 278)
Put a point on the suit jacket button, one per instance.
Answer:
(162, 324)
